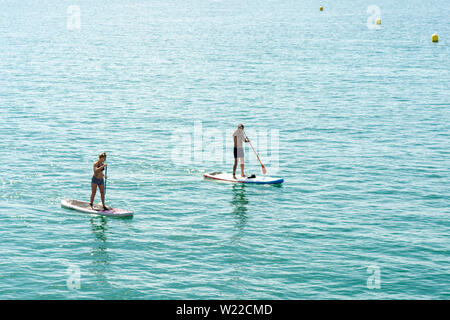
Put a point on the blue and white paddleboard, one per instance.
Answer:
(229, 177)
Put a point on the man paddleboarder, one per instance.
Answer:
(239, 137)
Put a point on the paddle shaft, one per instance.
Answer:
(262, 166)
(106, 177)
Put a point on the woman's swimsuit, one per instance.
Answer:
(98, 182)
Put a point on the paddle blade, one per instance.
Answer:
(264, 171)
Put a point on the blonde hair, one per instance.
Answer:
(102, 155)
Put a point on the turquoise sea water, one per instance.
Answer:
(357, 122)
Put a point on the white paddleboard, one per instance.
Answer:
(98, 208)
(229, 177)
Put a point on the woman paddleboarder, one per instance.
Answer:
(97, 179)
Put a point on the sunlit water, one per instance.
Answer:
(355, 120)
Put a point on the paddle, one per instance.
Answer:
(264, 171)
(106, 177)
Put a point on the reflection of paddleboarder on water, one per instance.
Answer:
(239, 204)
(97, 179)
(239, 200)
(100, 259)
(239, 137)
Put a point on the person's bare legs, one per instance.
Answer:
(242, 168)
(234, 167)
(102, 193)
(93, 192)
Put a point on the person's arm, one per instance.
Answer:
(96, 170)
(235, 141)
(245, 138)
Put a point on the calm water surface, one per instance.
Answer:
(357, 122)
